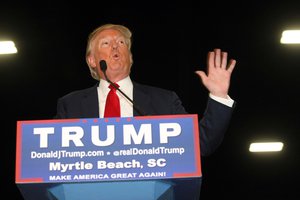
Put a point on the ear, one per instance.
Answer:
(131, 59)
(91, 61)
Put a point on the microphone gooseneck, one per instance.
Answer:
(103, 67)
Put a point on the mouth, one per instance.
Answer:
(116, 56)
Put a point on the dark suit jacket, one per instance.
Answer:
(152, 101)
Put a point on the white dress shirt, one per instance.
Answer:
(127, 87)
(228, 102)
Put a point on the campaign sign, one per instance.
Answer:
(109, 149)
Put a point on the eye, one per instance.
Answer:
(122, 42)
(104, 43)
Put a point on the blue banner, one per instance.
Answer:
(109, 149)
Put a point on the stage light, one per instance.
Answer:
(266, 147)
(290, 37)
(7, 47)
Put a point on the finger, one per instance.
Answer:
(202, 75)
(231, 66)
(210, 61)
(217, 57)
(224, 60)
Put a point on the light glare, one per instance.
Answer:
(7, 47)
(290, 37)
(266, 147)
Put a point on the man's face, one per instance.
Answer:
(110, 45)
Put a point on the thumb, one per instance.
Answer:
(202, 75)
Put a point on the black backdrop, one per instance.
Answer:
(170, 42)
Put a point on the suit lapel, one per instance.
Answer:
(90, 103)
(141, 100)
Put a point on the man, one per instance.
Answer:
(112, 43)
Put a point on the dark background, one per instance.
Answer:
(170, 42)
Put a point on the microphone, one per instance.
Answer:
(103, 67)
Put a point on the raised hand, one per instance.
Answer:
(217, 78)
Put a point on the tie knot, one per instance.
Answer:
(112, 87)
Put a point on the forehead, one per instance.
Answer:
(109, 33)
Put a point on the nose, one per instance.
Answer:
(114, 45)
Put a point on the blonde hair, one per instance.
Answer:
(122, 29)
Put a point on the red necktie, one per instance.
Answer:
(112, 105)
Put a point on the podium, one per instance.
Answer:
(135, 158)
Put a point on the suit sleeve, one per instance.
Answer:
(213, 126)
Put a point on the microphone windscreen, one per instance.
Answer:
(103, 65)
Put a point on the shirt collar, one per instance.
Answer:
(125, 85)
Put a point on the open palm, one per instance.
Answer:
(217, 78)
